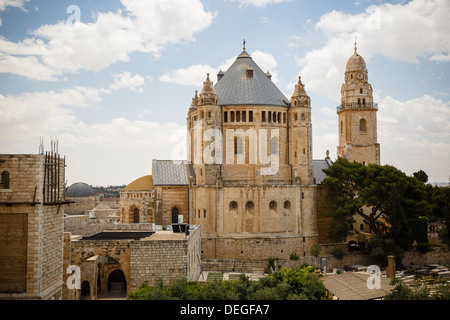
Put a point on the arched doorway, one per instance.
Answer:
(175, 213)
(117, 284)
(85, 290)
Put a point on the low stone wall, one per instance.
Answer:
(439, 256)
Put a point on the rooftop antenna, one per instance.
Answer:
(41, 145)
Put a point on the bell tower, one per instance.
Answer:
(357, 115)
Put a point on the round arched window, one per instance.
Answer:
(273, 205)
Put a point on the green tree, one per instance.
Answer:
(386, 192)
(421, 176)
(441, 209)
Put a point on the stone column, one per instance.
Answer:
(390, 270)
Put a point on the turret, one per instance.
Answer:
(300, 135)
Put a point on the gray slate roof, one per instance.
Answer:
(318, 166)
(235, 88)
(172, 172)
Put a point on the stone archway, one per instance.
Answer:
(117, 284)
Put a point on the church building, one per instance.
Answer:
(249, 179)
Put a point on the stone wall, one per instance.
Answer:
(165, 259)
(83, 225)
(36, 264)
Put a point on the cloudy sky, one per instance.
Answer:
(112, 80)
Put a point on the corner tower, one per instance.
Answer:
(357, 115)
(300, 135)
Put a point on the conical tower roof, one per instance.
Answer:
(244, 83)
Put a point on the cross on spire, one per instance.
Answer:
(244, 44)
(355, 44)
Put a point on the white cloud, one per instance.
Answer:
(125, 80)
(11, 3)
(191, 76)
(195, 75)
(404, 32)
(88, 147)
(259, 3)
(60, 48)
(415, 135)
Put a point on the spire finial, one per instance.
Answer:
(355, 44)
(244, 44)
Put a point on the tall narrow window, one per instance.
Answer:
(250, 116)
(244, 116)
(136, 216)
(232, 116)
(342, 127)
(225, 116)
(269, 116)
(237, 145)
(5, 180)
(360, 90)
(238, 116)
(263, 116)
(204, 213)
(274, 145)
(362, 125)
(175, 213)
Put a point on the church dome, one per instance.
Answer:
(356, 63)
(79, 189)
(144, 183)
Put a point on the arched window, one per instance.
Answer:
(5, 180)
(273, 205)
(136, 215)
(364, 101)
(360, 90)
(237, 145)
(361, 227)
(274, 145)
(362, 125)
(175, 213)
(149, 215)
(359, 102)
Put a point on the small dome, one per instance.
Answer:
(356, 63)
(79, 189)
(144, 183)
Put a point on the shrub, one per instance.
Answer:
(315, 249)
(338, 252)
